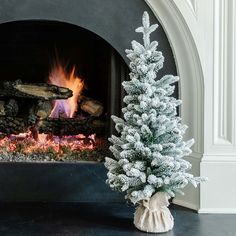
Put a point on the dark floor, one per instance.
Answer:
(102, 219)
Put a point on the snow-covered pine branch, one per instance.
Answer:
(148, 153)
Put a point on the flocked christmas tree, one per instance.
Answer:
(148, 152)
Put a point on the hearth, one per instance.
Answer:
(56, 92)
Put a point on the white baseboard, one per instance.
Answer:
(217, 211)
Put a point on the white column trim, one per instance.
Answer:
(224, 80)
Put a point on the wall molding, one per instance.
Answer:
(216, 157)
(193, 6)
(224, 81)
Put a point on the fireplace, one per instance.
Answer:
(56, 94)
(83, 38)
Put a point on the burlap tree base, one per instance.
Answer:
(153, 215)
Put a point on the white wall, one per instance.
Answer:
(204, 32)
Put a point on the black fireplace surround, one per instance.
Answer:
(105, 27)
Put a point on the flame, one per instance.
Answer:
(58, 76)
(28, 142)
(42, 138)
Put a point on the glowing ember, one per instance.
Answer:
(25, 143)
(58, 76)
(42, 138)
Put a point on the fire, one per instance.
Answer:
(58, 76)
(49, 144)
(25, 143)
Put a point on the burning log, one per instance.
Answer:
(91, 106)
(12, 125)
(43, 109)
(71, 126)
(41, 91)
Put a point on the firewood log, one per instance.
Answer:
(11, 107)
(41, 91)
(43, 109)
(12, 125)
(71, 126)
(91, 106)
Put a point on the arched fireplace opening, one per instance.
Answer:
(38, 54)
(113, 21)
